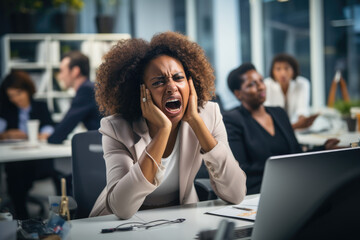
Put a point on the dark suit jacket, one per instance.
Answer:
(247, 145)
(39, 111)
(83, 109)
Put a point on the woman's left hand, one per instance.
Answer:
(191, 113)
(192, 117)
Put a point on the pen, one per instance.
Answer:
(242, 208)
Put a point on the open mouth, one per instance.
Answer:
(173, 105)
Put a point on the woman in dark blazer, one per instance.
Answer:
(16, 107)
(256, 132)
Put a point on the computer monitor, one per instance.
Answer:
(310, 196)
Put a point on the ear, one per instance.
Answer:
(75, 71)
(238, 94)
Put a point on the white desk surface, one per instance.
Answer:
(196, 221)
(317, 139)
(21, 151)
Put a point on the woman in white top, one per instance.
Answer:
(285, 88)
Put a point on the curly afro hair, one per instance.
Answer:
(121, 73)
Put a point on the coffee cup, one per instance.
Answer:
(33, 130)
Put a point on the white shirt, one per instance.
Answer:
(297, 97)
(168, 189)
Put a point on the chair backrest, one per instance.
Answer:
(89, 173)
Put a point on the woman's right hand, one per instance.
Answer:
(151, 112)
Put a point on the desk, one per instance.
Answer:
(317, 139)
(13, 152)
(196, 221)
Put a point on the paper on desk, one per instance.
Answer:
(232, 212)
(253, 201)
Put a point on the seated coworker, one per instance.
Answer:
(287, 89)
(257, 132)
(16, 107)
(74, 72)
(161, 127)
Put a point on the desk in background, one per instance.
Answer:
(317, 139)
(22, 151)
(196, 221)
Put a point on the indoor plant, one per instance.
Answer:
(23, 14)
(105, 15)
(344, 108)
(68, 17)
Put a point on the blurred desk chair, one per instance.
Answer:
(89, 172)
(202, 185)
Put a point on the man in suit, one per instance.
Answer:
(74, 72)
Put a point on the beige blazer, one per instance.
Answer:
(124, 143)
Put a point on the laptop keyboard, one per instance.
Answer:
(242, 233)
(239, 233)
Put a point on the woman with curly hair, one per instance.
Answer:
(159, 127)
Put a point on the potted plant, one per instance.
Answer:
(344, 108)
(105, 15)
(22, 14)
(68, 17)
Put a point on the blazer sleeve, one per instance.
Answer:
(78, 111)
(126, 185)
(226, 177)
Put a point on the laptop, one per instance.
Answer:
(312, 195)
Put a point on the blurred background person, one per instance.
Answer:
(17, 106)
(256, 132)
(74, 73)
(286, 89)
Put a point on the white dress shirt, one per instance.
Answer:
(297, 99)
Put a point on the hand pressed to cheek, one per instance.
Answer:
(192, 109)
(151, 112)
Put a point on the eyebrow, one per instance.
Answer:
(162, 77)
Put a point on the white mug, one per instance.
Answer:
(33, 130)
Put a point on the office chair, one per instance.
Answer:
(202, 185)
(89, 173)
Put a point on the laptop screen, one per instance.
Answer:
(309, 194)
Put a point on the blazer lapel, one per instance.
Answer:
(188, 151)
(285, 131)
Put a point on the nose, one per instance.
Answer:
(171, 87)
(260, 85)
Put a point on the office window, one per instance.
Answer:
(342, 43)
(179, 15)
(286, 29)
(245, 33)
(205, 30)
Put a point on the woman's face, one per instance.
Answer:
(165, 77)
(253, 90)
(19, 97)
(283, 72)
